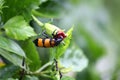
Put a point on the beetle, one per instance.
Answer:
(47, 42)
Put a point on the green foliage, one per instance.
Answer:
(74, 59)
(16, 7)
(16, 42)
(49, 9)
(15, 59)
(11, 79)
(11, 46)
(30, 78)
(31, 54)
(59, 50)
(2, 2)
(67, 78)
(7, 72)
(47, 27)
(18, 29)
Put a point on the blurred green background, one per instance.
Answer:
(96, 33)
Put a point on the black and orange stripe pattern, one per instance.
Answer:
(47, 42)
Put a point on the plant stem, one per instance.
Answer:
(37, 21)
(43, 67)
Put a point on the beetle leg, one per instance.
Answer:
(58, 40)
(44, 34)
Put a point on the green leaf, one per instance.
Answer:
(67, 78)
(11, 46)
(15, 59)
(75, 59)
(60, 49)
(2, 2)
(17, 7)
(49, 9)
(18, 29)
(8, 72)
(31, 54)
